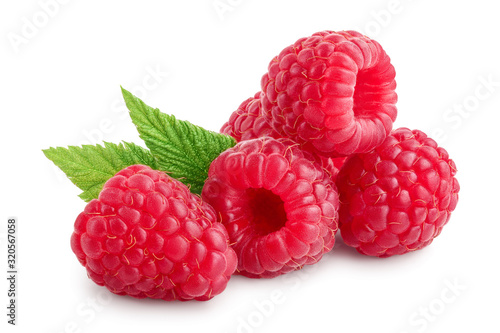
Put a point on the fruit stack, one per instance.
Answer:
(311, 153)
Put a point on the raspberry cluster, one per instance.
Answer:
(333, 94)
(315, 153)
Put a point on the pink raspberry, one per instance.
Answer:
(148, 236)
(397, 198)
(280, 208)
(333, 91)
(247, 123)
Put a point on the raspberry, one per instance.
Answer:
(247, 123)
(280, 208)
(148, 236)
(333, 91)
(397, 198)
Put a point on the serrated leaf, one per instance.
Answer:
(89, 167)
(182, 149)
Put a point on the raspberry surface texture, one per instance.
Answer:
(334, 91)
(397, 198)
(148, 236)
(247, 123)
(279, 207)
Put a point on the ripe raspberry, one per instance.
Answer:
(280, 208)
(398, 197)
(247, 123)
(333, 91)
(148, 236)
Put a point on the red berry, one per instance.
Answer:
(333, 91)
(397, 198)
(148, 236)
(247, 122)
(280, 208)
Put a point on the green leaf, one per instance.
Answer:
(89, 167)
(182, 149)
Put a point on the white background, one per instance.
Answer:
(60, 85)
